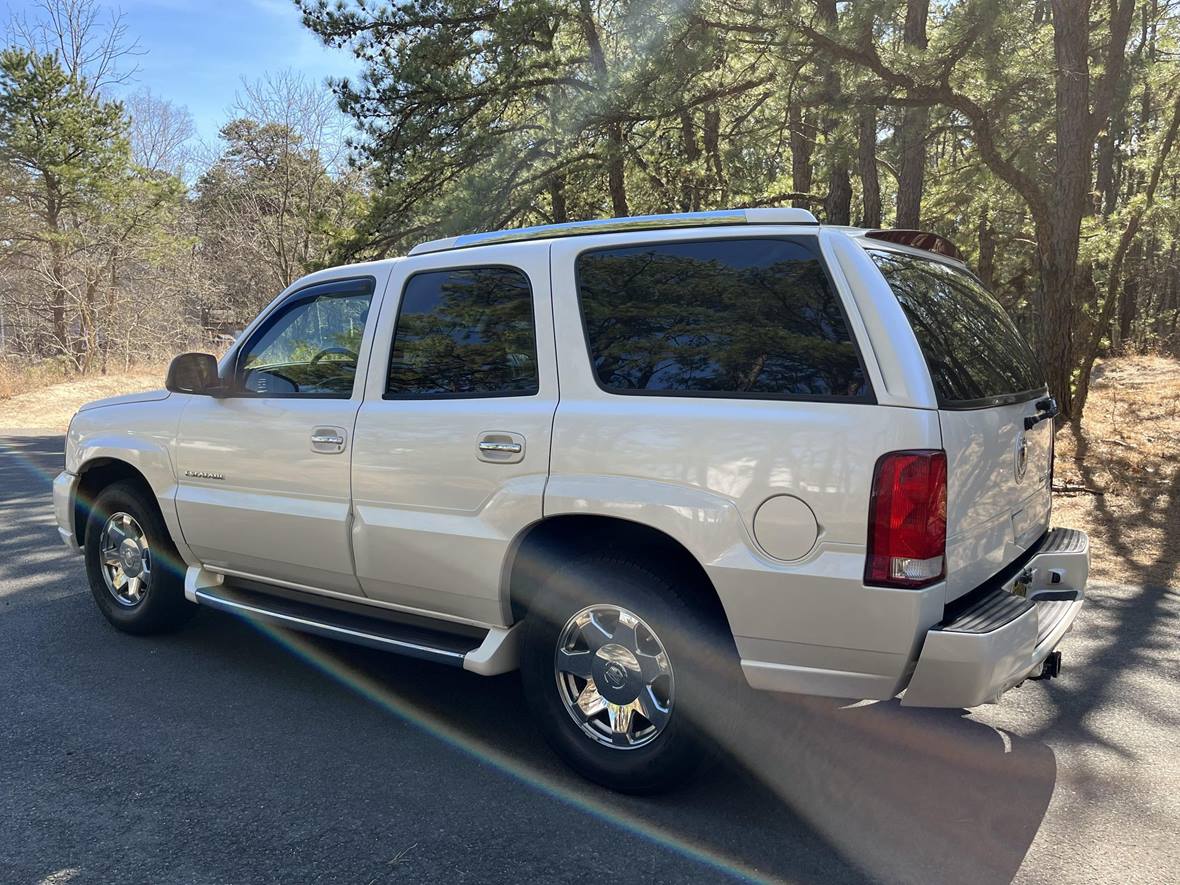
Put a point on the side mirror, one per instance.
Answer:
(194, 373)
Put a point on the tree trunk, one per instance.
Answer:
(557, 204)
(802, 146)
(57, 311)
(915, 123)
(690, 200)
(616, 179)
(1171, 293)
(1056, 322)
(1106, 180)
(711, 135)
(870, 183)
(57, 296)
(911, 171)
(838, 204)
(1129, 301)
(987, 249)
(1058, 235)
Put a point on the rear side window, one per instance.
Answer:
(735, 317)
(975, 354)
(464, 333)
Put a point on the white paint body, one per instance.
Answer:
(770, 497)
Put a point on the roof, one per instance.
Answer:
(613, 225)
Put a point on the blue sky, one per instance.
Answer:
(196, 52)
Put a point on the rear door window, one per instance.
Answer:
(751, 318)
(466, 332)
(975, 353)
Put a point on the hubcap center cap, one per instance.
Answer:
(131, 558)
(617, 673)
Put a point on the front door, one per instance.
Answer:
(263, 472)
(452, 442)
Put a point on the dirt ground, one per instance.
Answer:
(52, 406)
(1119, 479)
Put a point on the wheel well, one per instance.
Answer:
(95, 476)
(553, 541)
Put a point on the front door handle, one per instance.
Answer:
(328, 440)
(512, 448)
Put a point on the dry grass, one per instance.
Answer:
(1129, 451)
(48, 405)
(18, 378)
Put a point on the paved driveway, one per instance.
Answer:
(223, 754)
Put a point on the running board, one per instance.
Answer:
(484, 651)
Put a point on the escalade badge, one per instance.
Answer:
(1021, 457)
(200, 474)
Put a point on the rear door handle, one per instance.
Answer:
(500, 447)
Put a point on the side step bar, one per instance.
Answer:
(485, 651)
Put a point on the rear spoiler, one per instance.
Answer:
(917, 239)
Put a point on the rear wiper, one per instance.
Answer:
(1046, 409)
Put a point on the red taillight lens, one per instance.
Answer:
(907, 520)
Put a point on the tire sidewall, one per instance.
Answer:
(163, 606)
(682, 747)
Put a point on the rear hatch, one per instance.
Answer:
(988, 383)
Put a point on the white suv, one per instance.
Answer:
(632, 457)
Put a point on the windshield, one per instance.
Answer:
(976, 355)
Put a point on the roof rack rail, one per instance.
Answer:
(615, 225)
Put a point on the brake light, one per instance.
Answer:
(907, 520)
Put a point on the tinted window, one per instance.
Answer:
(309, 347)
(723, 317)
(464, 332)
(974, 351)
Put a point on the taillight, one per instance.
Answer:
(907, 520)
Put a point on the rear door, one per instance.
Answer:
(451, 451)
(988, 382)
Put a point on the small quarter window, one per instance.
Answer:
(464, 332)
(730, 317)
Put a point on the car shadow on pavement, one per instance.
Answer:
(812, 789)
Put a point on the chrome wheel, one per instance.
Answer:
(614, 676)
(126, 559)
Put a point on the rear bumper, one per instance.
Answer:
(1004, 636)
(65, 488)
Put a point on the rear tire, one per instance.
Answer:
(639, 712)
(136, 576)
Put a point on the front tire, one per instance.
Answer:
(136, 576)
(622, 670)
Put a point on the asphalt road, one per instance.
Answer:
(223, 754)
